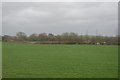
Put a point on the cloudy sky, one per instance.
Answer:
(0, 18)
(60, 17)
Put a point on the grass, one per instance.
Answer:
(59, 61)
(0, 60)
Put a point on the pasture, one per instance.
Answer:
(0, 60)
(59, 61)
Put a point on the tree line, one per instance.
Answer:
(64, 38)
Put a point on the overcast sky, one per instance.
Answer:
(57, 18)
(0, 18)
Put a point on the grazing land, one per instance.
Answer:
(21, 60)
(0, 60)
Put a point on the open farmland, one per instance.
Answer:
(59, 61)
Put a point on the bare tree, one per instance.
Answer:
(67, 38)
(42, 37)
(71, 37)
(21, 36)
(33, 37)
(51, 37)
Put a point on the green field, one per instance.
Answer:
(0, 60)
(59, 61)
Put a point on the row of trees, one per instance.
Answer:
(70, 37)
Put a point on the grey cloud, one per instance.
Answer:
(60, 17)
(0, 18)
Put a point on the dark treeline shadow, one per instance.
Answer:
(64, 38)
